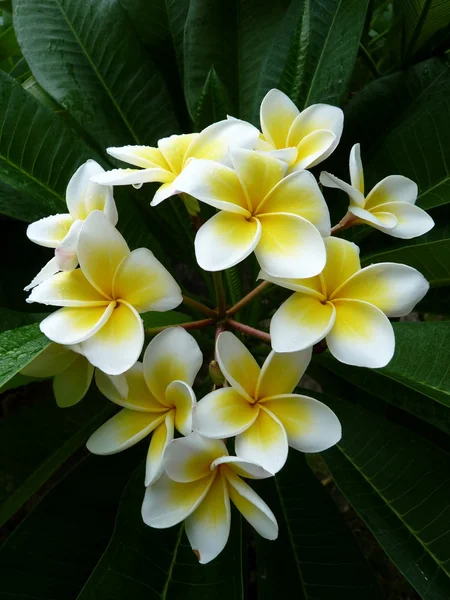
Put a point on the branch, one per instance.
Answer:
(189, 325)
(248, 298)
(200, 307)
(262, 335)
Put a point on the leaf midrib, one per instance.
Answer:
(97, 72)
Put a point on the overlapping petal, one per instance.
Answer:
(51, 268)
(84, 195)
(208, 527)
(70, 288)
(174, 148)
(264, 442)
(300, 322)
(342, 263)
(314, 148)
(66, 253)
(310, 425)
(356, 197)
(123, 431)
(242, 467)
(172, 355)
(101, 249)
(145, 157)
(190, 458)
(71, 385)
(225, 240)
(238, 366)
(224, 413)
(144, 283)
(117, 345)
(161, 438)
(281, 373)
(181, 397)
(277, 114)
(311, 286)
(393, 288)
(362, 335)
(412, 221)
(72, 325)
(50, 231)
(394, 188)
(377, 218)
(356, 169)
(134, 176)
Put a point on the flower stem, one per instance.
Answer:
(344, 223)
(189, 325)
(257, 333)
(200, 307)
(248, 298)
(220, 293)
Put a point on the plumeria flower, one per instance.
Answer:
(103, 298)
(389, 206)
(157, 397)
(62, 231)
(164, 163)
(260, 409)
(281, 218)
(200, 479)
(348, 306)
(72, 372)
(302, 139)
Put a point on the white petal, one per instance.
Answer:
(242, 467)
(225, 240)
(71, 385)
(393, 288)
(167, 503)
(181, 396)
(290, 246)
(312, 286)
(300, 322)
(287, 155)
(342, 262)
(356, 168)
(146, 157)
(171, 355)
(190, 458)
(412, 221)
(161, 438)
(142, 281)
(84, 196)
(310, 425)
(313, 149)
(394, 188)
(49, 231)
(70, 288)
(133, 176)
(277, 114)
(101, 249)
(380, 220)
(123, 430)
(117, 345)
(224, 413)
(361, 336)
(329, 180)
(66, 253)
(238, 366)
(208, 527)
(51, 268)
(252, 507)
(166, 190)
(72, 325)
(281, 373)
(264, 442)
(215, 141)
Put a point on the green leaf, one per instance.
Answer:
(315, 553)
(38, 155)
(95, 68)
(53, 551)
(18, 347)
(417, 384)
(145, 563)
(8, 44)
(399, 485)
(38, 439)
(324, 51)
(214, 103)
(423, 18)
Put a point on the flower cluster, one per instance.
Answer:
(268, 203)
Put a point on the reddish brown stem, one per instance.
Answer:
(345, 223)
(257, 333)
(190, 325)
(248, 298)
(200, 307)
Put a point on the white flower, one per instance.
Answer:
(62, 231)
(199, 481)
(389, 206)
(72, 372)
(103, 298)
(347, 305)
(164, 163)
(157, 397)
(260, 408)
(301, 139)
(281, 218)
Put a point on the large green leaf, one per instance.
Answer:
(53, 551)
(423, 18)
(315, 556)
(39, 438)
(144, 563)
(95, 68)
(419, 384)
(38, 155)
(324, 50)
(246, 42)
(18, 347)
(399, 485)
(428, 253)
